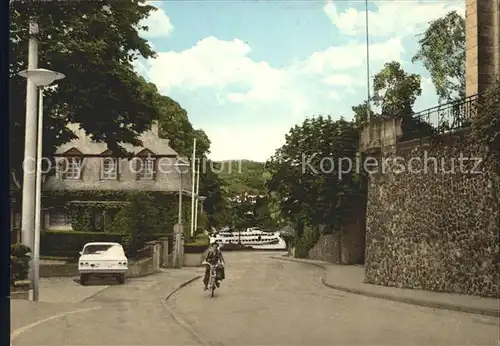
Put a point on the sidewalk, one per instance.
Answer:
(63, 296)
(350, 278)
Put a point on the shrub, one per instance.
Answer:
(19, 262)
(195, 248)
(306, 241)
(236, 247)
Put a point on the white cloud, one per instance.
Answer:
(319, 84)
(158, 23)
(342, 80)
(218, 64)
(402, 17)
(251, 142)
(353, 55)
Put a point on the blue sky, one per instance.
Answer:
(247, 71)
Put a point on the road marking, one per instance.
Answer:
(21, 330)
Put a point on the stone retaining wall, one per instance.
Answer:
(435, 230)
(346, 246)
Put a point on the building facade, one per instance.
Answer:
(86, 167)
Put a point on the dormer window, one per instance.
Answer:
(109, 168)
(145, 165)
(70, 168)
(71, 165)
(74, 168)
(145, 168)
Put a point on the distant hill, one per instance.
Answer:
(242, 176)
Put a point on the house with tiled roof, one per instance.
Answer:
(87, 168)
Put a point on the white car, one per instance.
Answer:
(102, 260)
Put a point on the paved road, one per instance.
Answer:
(263, 302)
(272, 302)
(130, 314)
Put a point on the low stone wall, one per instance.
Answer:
(141, 268)
(59, 270)
(326, 249)
(136, 269)
(20, 290)
(193, 259)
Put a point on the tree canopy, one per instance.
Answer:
(94, 44)
(442, 51)
(311, 173)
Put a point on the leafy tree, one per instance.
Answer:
(394, 90)
(143, 215)
(94, 44)
(315, 185)
(360, 113)
(395, 93)
(442, 51)
(243, 176)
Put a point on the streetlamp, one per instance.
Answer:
(40, 77)
(179, 166)
(178, 229)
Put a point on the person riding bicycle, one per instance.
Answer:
(214, 257)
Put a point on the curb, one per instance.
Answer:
(200, 339)
(184, 284)
(407, 300)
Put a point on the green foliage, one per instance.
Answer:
(81, 219)
(19, 262)
(118, 222)
(216, 205)
(243, 176)
(69, 243)
(313, 184)
(95, 47)
(144, 221)
(442, 51)
(486, 124)
(118, 215)
(395, 93)
(306, 241)
(101, 40)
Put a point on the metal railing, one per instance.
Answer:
(145, 252)
(450, 116)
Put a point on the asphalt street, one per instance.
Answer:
(271, 302)
(263, 302)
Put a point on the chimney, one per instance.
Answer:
(154, 127)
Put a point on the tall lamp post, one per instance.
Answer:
(178, 229)
(40, 77)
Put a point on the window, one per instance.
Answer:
(109, 168)
(145, 169)
(59, 219)
(71, 167)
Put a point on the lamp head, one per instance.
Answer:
(41, 76)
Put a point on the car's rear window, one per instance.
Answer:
(97, 249)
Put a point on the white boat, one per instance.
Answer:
(253, 237)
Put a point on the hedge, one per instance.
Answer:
(19, 262)
(195, 248)
(70, 243)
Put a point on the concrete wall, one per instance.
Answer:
(193, 259)
(436, 230)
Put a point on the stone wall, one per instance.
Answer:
(346, 246)
(437, 229)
